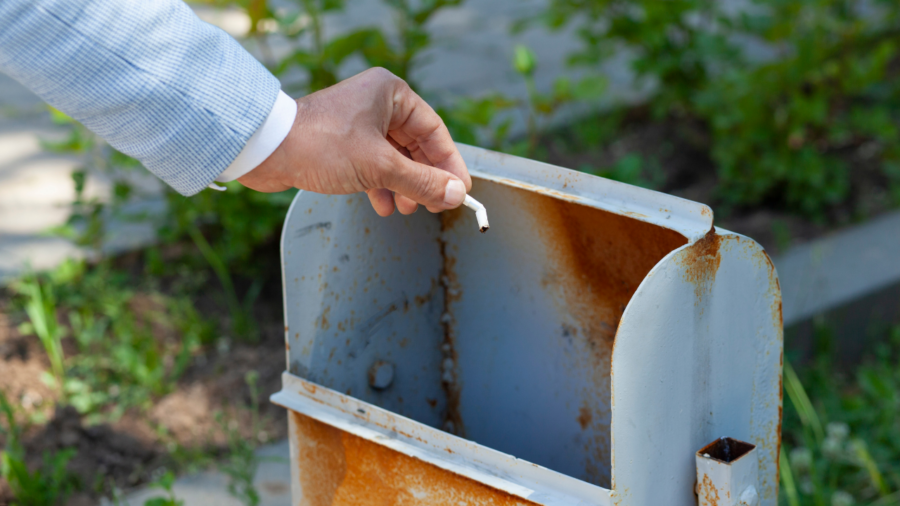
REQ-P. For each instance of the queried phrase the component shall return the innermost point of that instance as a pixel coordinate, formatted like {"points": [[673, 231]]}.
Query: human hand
{"points": [[368, 133]]}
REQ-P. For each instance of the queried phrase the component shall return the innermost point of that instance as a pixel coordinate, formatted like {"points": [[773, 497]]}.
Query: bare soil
{"points": [[131, 451]]}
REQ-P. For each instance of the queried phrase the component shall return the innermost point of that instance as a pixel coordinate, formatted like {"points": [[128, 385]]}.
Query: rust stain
{"points": [[287, 345], [453, 422], [701, 262], [340, 469], [599, 259], [584, 416], [774, 275], [709, 495], [322, 461], [323, 320], [450, 217]]}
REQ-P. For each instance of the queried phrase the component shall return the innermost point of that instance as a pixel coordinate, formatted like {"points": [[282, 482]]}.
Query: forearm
{"points": [[148, 76]]}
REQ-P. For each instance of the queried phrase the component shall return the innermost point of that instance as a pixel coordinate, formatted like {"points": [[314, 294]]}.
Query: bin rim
{"points": [[451, 453], [691, 219]]}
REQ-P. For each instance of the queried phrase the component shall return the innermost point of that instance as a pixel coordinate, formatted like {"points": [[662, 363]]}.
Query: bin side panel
{"points": [[335, 468], [533, 307], [360, 289], [697, 356]]}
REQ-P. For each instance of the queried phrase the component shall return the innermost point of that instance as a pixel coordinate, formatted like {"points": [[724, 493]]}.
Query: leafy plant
{"points": [[786, 128], [839, 434], [487, 120], [40, 306], [633, 169], [322, 57], [242, 462], [413, 37], [165, 483], [45, 486], [542, 106], [677, 45], [121, 360]]}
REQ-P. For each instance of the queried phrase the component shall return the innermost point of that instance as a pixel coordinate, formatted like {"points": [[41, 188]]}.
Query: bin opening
{"points": [[726, 449], [504, 339]]}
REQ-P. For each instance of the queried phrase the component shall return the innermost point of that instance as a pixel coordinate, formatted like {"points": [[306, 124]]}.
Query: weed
{"points": [[124, 357], [633, 169], [840, 434], [165, 483], [487, 120], [410, 16], [677, 45], [786, 128], [45, 486], [242, 461], [243, 324], [40, 306]]}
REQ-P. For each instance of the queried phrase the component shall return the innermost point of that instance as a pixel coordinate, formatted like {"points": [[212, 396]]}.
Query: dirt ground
{"points": [[130, 451]]}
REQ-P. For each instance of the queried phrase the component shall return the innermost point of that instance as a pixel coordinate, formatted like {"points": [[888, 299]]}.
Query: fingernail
{"points": [[455, 193]]}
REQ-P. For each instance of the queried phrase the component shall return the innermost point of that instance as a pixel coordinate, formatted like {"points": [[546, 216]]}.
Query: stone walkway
{"points": [[273, 483]]}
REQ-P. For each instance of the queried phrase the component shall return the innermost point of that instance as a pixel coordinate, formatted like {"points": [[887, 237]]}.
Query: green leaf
{"points": [[590, 87], [524, 60]]}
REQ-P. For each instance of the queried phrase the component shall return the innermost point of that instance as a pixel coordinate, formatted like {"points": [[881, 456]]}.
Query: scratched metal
{"points": [[360, 289], [599, 330], [698, 356]]}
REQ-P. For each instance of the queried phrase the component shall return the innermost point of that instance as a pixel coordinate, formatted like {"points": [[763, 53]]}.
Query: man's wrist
{"points": [[265, 140]]}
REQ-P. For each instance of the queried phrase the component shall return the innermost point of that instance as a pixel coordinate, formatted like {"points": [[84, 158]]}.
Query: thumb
{"points": [[432, 187]]}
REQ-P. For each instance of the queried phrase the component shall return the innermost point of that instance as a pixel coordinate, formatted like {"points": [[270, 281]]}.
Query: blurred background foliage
{"points": [[785, 123], [786, 97]]}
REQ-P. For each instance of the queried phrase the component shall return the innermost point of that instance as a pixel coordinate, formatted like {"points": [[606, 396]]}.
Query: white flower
{"points": [[841, 498], [801, 459], [838, 430], [832, 448], [806, 486]]}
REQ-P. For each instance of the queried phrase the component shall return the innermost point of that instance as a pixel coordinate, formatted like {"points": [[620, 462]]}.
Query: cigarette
{"points": [[480, 213]]}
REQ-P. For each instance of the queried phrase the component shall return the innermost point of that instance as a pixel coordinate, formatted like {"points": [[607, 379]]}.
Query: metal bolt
{"points": [[381, 375]]}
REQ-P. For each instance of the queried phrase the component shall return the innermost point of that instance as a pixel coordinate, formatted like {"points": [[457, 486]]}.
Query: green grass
{"points": [[841, 432], [132, 345]]}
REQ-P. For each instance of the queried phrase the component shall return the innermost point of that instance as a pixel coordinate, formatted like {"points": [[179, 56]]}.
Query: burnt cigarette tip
{"points": [[480, 212], [484, 229]]}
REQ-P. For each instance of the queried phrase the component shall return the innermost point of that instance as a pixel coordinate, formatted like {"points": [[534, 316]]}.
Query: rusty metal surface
{"points": [[585, 333], [698, 355], [727, 474], [319, 456], [535, 343], [337, 468], [361, 289]]}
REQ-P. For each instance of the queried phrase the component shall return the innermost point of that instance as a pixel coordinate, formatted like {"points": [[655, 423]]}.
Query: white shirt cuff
{"points": [[265, 140]]}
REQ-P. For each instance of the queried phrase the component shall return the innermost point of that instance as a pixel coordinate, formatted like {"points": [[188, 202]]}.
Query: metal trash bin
{"points": [[580, 352]]}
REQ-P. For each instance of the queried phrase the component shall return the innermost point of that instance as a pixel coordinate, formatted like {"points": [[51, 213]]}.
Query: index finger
{"points": [[415, 126]]}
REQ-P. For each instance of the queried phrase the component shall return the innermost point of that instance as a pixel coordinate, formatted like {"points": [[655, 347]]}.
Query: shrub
{"points": [[783, 129]]}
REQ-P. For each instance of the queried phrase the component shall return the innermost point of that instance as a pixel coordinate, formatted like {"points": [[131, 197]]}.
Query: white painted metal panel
{"points": [[598, 330]]}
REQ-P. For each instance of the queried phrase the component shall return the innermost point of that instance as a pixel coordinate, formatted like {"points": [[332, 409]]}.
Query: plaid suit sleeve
{"points": [[148, 76]]}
